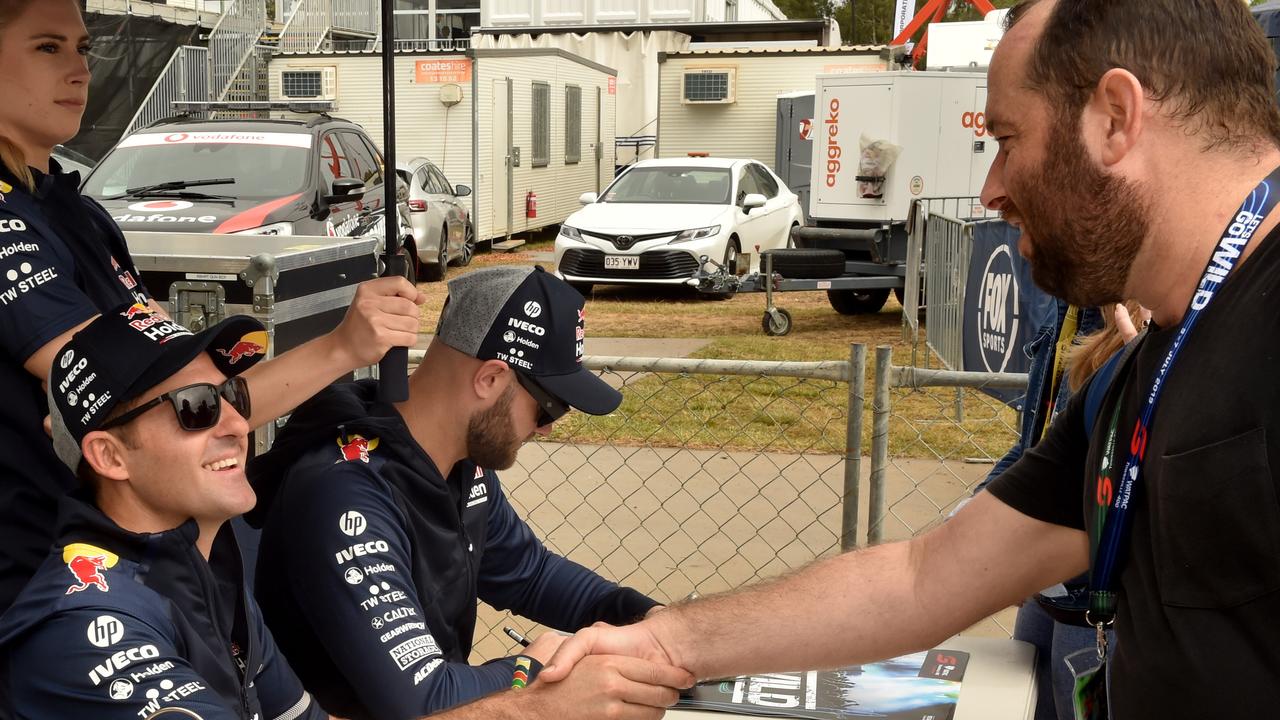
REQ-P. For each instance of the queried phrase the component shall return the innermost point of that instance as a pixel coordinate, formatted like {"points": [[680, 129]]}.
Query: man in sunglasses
{"points": [[383, 524], [141, 609]]}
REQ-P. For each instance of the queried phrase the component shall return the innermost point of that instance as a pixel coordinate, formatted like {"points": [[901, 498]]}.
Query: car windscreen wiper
{"points": [[151, 190]]}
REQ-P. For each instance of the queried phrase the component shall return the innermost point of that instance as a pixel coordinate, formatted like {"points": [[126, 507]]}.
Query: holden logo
{"points": [[509, 336], [155, 206], [624, 242], [121, 689], [532, 309], [354, 576]]}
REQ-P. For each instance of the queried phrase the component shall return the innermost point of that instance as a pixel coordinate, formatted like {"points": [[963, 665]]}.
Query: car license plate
{"points": [[622, 262]]}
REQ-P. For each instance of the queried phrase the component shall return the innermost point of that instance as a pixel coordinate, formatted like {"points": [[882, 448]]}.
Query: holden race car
{"points": [[317, 176]]}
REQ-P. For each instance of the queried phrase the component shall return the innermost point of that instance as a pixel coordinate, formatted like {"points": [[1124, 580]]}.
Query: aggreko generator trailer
{"points": [[879, 142]]}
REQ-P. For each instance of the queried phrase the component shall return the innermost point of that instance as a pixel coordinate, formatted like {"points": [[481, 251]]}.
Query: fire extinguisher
{"points": [[531, 204]]}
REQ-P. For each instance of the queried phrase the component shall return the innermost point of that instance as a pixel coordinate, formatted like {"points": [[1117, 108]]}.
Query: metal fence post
{"points": [[879, 445], [853, 446]]}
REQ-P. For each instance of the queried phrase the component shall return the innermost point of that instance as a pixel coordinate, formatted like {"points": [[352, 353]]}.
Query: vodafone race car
{"points": [[321, 176]]}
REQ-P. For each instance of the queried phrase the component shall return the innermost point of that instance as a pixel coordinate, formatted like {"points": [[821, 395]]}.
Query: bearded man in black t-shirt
{"points": [[1130, 132]]}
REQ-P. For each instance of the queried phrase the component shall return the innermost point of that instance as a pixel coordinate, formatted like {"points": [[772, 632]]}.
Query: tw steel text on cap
{"points": [[532, 321]]}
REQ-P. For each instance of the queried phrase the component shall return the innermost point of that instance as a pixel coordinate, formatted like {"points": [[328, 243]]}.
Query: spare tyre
{"points": [[808, 263]]}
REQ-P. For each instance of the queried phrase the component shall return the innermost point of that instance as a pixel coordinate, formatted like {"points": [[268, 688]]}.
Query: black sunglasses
{"points": [[198, 406], [550, 407]]}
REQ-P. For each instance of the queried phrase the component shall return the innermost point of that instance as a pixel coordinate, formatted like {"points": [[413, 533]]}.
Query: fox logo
{"points": [[356, 447]]}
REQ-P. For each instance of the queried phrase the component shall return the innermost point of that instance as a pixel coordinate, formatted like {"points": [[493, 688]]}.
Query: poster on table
{"points": [[922, 686]]}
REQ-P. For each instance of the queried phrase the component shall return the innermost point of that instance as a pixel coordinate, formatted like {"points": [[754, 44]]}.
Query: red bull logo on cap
{"points": [[88, 564], [356, 447], [135, 310], [249, 345]]}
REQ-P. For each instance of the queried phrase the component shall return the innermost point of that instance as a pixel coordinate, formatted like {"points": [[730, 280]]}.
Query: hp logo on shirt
{"points": [[351, 523], [105, 631]]}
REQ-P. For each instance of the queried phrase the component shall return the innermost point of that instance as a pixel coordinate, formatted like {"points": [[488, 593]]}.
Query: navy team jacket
{"points": [[120, 626], [372, 560]]}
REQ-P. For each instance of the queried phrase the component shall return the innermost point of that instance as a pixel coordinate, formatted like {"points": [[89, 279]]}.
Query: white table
{"points": [[999, 683]]}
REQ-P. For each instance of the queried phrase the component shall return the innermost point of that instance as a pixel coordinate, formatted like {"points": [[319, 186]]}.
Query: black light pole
{"points": [[393, 368]]}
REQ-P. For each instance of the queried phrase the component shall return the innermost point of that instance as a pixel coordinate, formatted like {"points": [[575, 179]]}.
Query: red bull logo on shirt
{"points": [[88, 564], [249, 345], [356, 447]]}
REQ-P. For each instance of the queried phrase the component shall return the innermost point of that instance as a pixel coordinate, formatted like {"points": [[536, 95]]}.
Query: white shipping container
{"points": [[936, 118], [743, 124], [539, 13], [476, 139]]}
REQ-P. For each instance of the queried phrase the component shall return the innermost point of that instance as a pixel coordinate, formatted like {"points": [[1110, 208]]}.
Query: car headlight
{"points": [[697, 234], [280, 228], [570, 233]]}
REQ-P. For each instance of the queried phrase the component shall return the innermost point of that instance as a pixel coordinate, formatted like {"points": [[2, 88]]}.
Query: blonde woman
{"points": [[63, 262]]}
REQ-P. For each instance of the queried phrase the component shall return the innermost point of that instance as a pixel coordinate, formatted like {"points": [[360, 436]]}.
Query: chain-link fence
{"points": [[711, 475], [715, 473], [935, 435]]}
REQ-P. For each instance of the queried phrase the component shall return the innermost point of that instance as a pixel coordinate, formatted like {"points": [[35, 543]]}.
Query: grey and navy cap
{"points": [[127, 351], [534, 322]]}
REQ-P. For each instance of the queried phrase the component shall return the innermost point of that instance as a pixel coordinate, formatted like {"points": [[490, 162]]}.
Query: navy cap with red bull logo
{"points": [[532, 321], [126, 351]]}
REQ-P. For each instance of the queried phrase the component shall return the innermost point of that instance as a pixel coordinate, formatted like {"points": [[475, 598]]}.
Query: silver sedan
{"points": [[442, 229]]}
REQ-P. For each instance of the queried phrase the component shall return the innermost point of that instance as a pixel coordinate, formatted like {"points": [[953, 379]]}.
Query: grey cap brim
{"points": [[583, 390]]}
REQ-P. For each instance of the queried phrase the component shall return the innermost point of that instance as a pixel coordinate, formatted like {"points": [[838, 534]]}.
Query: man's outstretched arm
{"points": [[860, 606]]}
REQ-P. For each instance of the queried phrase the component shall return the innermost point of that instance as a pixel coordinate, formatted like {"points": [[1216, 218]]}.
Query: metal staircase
{"points": [[232, 67]]}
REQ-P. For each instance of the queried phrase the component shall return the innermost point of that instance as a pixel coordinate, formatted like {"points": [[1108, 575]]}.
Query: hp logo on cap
{"points": [[532, 309]]}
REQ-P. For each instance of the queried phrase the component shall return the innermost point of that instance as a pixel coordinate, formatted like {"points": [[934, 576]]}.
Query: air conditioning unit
{"points": [[309, 83], [708, 85]]}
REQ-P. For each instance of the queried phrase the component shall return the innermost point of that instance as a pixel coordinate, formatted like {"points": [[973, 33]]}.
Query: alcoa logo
{"points": [[532, 309], [155, 206]]}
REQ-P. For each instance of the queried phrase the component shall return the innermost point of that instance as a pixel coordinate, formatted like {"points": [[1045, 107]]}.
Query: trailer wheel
{"points": [[807, 262], [776, 323], [858, 302]]}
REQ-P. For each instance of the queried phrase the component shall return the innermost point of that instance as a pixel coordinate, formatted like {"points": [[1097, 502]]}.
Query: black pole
{"points": [[393, 369]]}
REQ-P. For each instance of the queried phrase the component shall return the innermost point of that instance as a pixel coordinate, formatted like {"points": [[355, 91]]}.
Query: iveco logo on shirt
{"points": [[479, 494], [360, 550], [121, 660]]}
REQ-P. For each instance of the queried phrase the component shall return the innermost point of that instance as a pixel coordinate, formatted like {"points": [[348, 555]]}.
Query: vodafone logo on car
{"points": [[176, 137], [155, 206]]}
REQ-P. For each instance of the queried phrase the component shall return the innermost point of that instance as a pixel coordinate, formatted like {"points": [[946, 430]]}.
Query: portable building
{"points": [[529, 130], [508, 13], [725, 102]]}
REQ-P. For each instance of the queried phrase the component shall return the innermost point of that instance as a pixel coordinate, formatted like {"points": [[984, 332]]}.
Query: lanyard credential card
{"points": [[1114, 493]]}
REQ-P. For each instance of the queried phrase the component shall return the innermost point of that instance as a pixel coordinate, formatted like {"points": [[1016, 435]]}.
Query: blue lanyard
{"points": [[1114, 495]]}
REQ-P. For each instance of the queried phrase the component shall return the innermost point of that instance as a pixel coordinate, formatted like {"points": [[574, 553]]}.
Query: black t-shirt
{"points": [[1198, 627], [62, 261]]}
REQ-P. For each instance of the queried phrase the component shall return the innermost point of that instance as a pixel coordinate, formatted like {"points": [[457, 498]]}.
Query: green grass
{"points": [[761, 414]]}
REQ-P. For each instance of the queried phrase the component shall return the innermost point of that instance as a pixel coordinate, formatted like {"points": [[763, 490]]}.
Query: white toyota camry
{"points": [[656, 220]]}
